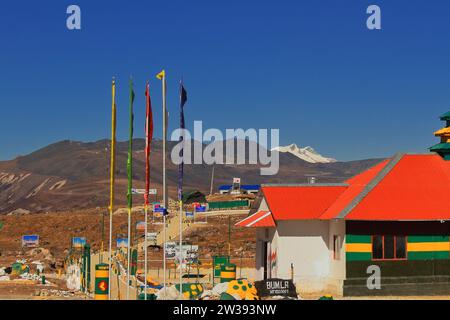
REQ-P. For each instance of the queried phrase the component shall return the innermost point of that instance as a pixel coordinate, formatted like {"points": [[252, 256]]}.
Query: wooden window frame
{"points": [[395, 248]]}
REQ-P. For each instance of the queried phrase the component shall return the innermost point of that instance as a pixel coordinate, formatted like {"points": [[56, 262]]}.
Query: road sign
{"points": [[160, 211], [142, 191], [152, 236], [78, 242], [140, 226], [200, 209], [189, 215], [30, 241], [122, 242], [276, 287]]}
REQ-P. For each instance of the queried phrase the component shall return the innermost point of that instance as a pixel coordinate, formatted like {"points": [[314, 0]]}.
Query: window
{"points": [[377, 247], [336, 247], [388, 247]]}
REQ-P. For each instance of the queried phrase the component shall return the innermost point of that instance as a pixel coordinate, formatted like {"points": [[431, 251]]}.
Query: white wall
{"points": [[337, 267], [305, 245], [308, 245]]}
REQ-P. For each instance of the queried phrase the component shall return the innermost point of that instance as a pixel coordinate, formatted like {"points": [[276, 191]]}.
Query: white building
{"points": [[299, 247], [395, 215]]}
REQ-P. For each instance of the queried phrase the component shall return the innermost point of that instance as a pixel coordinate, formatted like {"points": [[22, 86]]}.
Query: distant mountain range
{"points": [[72, 175], [307, 154]]}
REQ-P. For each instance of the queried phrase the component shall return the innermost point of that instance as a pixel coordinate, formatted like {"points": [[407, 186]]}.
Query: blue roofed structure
{"points": [[246, 188]]}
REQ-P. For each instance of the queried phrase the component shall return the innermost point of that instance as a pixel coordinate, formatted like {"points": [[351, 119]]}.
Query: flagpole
{"points": [[148, 140], [181, 253], [130, 182], [111, 192], [183, 98], [162, 76], [128, 254], [145, 252]]}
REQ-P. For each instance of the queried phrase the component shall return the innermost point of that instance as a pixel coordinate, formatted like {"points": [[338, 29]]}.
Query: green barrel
{"points": [[218, 261], [101, 281], [227, 272]]}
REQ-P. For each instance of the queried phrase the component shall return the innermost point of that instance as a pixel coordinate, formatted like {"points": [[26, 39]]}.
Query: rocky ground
{"points": [[57, 229]]}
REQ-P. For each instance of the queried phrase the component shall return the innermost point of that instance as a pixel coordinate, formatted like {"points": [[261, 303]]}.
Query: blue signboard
{"points": [[30, 240], [189, 214], [200, 209], [122, 242], [78, 242], [160, 210]]}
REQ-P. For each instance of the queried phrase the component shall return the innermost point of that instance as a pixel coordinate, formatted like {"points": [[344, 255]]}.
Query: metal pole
{"points": [[129, 254], [145, 253], [103, 237], [112, 168], [129, 191], [164, 174], [110, 250], [164, 255], [229, 236], [180, 251], [164, 140], [212, 181]]}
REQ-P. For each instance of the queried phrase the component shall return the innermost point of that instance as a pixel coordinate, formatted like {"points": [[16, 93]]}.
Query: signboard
{"points": [[152, 236], [140, 226], [189, 254], [236, 180], [200, 209], [159, 211], [170, 250], [30, 241], [122, 242], [142, 191], [78, 242], [189, 215], [276, 287]]}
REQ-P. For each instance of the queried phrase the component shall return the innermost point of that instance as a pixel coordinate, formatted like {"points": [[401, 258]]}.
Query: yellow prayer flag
{"points": [[161, 75]]}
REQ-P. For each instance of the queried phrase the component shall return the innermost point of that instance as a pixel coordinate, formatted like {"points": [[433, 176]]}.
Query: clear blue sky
{"points": [[310, 68]]}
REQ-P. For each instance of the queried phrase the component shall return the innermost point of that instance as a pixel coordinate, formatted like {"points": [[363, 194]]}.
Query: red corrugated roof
{"points": [[417, 188], [300, 202], [258, 219], [406, 187], [355, 185]]}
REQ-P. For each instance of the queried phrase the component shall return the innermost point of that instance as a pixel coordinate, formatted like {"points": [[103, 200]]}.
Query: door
{"points": [[265, 260]]}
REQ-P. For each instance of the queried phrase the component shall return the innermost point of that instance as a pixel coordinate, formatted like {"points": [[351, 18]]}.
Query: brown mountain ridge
{"points": [[73, 175]]}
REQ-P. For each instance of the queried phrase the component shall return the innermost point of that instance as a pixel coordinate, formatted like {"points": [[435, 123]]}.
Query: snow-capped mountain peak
{"points": [[306, 153]]}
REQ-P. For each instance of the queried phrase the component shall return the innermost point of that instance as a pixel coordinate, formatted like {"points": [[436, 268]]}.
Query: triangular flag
{"points": [[161, 75]]}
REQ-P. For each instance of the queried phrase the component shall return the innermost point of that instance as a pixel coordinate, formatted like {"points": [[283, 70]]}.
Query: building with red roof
{"points": [[393, 218]]}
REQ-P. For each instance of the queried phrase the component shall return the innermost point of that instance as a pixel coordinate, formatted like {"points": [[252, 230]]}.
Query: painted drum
{"points": [[101, 281], [227, 272]]}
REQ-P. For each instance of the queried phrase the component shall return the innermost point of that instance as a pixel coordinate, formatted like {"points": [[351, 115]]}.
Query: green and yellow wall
{"points": [[419, 247]]}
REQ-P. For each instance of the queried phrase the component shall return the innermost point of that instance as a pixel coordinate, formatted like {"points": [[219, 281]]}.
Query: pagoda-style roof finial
{"points": [[443, 148]]}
